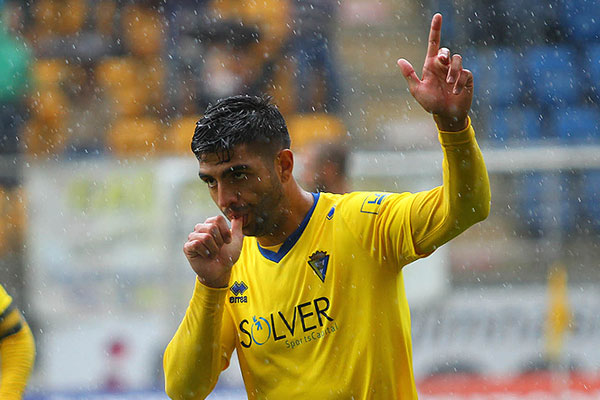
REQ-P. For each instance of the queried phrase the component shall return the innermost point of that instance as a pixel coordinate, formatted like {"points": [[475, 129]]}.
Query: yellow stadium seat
{"points": [[116, 72], [308, 128], [283, 87], [42, 139], [71, 17], [50, 106], [151, 76], [104, 13], [17, 215], [50, 72], [134, 136], [142, 31], [178, 137], [45, 18]]}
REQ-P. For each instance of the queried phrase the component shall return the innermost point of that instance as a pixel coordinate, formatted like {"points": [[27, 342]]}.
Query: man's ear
{"points": [[284, 165]]}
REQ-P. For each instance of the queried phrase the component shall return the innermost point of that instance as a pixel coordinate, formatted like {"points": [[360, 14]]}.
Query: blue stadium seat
{"points": [[590, 199], [577, 125], [552, 74], [497, 76], [530, 206], [581, 19], [592, 67], [514, 125], [504, 80], [538, 210]]}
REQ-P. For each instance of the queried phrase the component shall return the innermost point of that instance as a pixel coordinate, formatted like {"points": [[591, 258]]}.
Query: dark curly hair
{"points": [[237, 120]]}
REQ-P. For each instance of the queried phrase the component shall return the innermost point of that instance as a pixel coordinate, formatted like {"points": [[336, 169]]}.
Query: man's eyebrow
{"points": [[230, 170]]}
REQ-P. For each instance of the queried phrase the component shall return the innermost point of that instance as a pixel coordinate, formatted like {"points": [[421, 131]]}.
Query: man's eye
{"points": [[211, 183], [238, 176]]}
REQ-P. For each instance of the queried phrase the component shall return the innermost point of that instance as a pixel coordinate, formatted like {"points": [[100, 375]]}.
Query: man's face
{"points": [[246, 187]]}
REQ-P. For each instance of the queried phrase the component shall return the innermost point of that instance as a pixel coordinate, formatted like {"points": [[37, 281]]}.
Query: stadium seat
{"points": [[44, 131], [119, 76], [514, 125], [497, 76], [590, 199], [104, 15], [530, 210], [552, 75], [307, 128], [71, 22], [577, 125], [581, 19], [150, 81], [116, 72], [143, 30], [134, 136], [539, 209], [178, 137], [592, 67], [49, 72], [42, 139]]}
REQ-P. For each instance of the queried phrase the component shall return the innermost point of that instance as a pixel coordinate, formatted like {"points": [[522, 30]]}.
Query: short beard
{"points": [[269, 213]]}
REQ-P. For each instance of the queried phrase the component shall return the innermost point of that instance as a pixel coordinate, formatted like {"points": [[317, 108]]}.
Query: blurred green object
{"points": [[15, 59]]}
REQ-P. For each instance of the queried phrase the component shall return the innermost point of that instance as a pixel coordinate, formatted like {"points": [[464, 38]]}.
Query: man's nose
{"points": [[227, 195]]}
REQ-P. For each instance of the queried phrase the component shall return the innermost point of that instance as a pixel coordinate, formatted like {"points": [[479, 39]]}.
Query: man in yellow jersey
{"points": [[305, 285], [17, 350]]}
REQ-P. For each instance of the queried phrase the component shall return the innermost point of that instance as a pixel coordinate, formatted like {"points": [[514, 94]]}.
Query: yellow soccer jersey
{"points": [[331, 323], [326, 316], [17, 350]]}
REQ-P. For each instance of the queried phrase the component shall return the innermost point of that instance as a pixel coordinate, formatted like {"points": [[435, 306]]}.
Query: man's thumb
{"points": [[409, 74], [236, 228]]}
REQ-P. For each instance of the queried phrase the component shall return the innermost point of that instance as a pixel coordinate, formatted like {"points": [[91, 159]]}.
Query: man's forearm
{"points": [[464, 199], [466, 179], [192, 360]]}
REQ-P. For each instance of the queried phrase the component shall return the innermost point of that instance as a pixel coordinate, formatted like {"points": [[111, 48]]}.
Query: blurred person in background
{"points": [[17, 350], [325, 168], [304, 286]]}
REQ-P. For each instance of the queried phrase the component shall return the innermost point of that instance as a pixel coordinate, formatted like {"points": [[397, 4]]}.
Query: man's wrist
{"points": [[218, 283], [451, 124]]}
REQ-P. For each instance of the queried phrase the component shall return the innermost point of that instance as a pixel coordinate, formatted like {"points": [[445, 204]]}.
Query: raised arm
{"points": [[446, 91]]}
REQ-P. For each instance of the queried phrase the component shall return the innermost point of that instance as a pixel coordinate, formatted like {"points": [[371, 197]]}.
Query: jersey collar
{"points": [[292, 239]]}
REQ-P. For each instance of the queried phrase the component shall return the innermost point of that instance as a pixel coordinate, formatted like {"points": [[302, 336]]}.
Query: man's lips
{"points": [[236, 215]]}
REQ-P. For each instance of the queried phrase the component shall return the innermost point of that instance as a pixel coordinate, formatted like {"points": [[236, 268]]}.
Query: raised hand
{"points": [[213, 248], [446, 89]]}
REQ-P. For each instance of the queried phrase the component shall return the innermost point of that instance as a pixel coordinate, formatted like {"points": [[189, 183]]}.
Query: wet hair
{"points": [[239, 120]]}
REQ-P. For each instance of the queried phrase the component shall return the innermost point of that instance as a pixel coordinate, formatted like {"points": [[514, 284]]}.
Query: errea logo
{"points": [[238, 289]]}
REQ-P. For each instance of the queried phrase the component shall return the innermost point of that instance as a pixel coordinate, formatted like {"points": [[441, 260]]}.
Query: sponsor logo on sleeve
{"points": [[372, 203]]}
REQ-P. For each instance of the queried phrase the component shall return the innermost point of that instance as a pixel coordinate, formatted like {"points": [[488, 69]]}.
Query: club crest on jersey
{"points": [[318, 262], [238, 289]]}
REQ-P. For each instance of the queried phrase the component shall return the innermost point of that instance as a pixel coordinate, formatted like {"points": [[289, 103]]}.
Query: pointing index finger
{"points": [[435, 35]]}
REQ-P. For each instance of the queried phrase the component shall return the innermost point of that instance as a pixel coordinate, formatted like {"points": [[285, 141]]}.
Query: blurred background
{"points": [[98, 188]]}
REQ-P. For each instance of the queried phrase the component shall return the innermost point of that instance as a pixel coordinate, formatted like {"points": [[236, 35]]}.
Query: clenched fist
{"points": [[213, 248]]}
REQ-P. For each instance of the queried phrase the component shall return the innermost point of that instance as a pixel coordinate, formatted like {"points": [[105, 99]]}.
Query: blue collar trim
{"points": [[292, 239]]}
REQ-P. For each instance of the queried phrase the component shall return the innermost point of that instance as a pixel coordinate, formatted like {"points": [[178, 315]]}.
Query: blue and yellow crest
{"points": [[318, 262]]}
